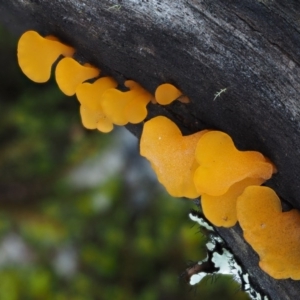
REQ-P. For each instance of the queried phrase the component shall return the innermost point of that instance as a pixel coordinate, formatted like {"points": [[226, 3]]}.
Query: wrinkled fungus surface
{"points": [[221, 165], [70, 74], [37, 54], [172, 156], [221, 210], [273, 234]]}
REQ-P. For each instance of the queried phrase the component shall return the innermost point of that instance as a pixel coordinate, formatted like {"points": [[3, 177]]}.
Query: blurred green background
{"points": [[81, 214]]}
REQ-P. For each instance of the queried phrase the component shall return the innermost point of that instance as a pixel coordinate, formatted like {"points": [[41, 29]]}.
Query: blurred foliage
{"points": [[88, 242]]}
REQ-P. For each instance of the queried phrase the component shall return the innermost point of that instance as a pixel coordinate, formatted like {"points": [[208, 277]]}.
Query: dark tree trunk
{"points": [[250, 47]]}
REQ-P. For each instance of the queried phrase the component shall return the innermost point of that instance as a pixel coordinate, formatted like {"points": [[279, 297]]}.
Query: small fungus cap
{"points": [[166, 93], [273, 234], [37, 54], [70, 74], [171, 155], [221, 164]]}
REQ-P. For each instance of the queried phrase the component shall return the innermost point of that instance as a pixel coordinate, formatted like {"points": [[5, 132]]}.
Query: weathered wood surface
{"points": [[250, 47]]}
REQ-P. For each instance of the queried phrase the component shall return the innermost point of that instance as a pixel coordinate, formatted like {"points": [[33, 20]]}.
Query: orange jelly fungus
{"points": [[95, 119], [221, 210], [221, 164], [70, 74], [37, 54], [166, 93], [129, 106], [273, 234], [172, 156], [136, 109], [91, 111]]}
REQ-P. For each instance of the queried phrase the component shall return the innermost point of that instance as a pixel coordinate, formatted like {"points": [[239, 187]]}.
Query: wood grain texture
{"points": [[250, 47]]}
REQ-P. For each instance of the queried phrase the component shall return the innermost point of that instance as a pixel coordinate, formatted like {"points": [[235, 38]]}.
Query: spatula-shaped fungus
{"points": [[37, 54], [166, 93], [221, 164], [69, 74], [221, 210], [172, 156], [273, 234]]}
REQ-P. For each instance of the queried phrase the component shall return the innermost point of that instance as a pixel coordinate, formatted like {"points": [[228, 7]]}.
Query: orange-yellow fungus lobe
{"points": [[90, 94], [221, 210], [221, 164], [95, 120], [172, 156], [166, 93], [273, 234], [136, 109], [37, 54], [129, 106], [114, 103], [70, 74]]}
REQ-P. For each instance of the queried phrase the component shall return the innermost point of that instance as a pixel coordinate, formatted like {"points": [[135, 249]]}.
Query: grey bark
{"points": [[250, 47]]}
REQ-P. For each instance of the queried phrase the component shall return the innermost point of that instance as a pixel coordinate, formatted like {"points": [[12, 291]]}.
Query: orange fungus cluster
{"points": [[205, 164], [102, 104]]}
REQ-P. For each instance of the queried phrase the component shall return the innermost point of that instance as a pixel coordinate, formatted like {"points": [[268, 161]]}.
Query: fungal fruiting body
{"points": [[219, 260], [136, 109], [114, 103], [95, 120], [172, 156], [221, 210], [70, 74], [166, 93], [91, 111], [126, 107], [221, 165], [37, 54], [223, 174], [273, 234]]}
